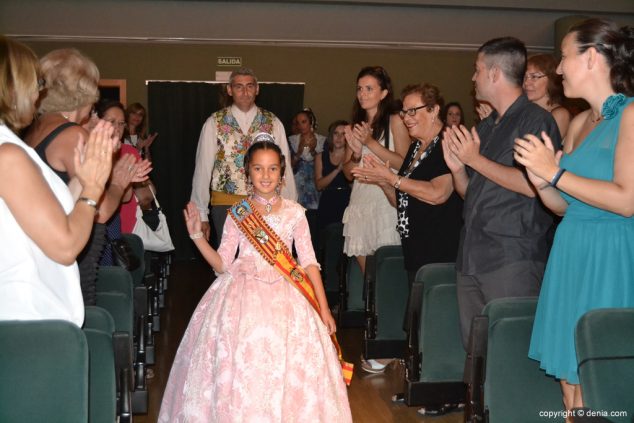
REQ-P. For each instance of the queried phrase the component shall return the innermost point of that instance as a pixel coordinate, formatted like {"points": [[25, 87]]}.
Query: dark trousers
{"points": [[520, 279]]}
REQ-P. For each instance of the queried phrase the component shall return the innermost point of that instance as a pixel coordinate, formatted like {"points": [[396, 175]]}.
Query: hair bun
{"points": [[624, 46]]}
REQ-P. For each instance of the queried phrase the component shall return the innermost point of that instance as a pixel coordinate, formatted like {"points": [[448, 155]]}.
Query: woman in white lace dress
{"points": [[370, 220]]}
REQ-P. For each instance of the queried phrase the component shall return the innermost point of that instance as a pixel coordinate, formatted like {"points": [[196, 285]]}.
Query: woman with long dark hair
{"points": [[378, 132]]}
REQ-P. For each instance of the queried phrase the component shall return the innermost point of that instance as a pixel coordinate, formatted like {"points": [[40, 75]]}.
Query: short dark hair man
{"points": [[503, 244]]}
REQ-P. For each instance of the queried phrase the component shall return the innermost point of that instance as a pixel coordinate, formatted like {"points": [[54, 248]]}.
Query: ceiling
{"points": [[409, 24]]}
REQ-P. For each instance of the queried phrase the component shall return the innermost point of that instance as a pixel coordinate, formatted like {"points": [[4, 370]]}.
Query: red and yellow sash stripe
{"points": [[277, 254]]}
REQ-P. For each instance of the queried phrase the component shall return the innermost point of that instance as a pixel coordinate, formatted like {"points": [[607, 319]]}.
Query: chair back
{"points": [[604, 341], [43, 372], [515, 388]]}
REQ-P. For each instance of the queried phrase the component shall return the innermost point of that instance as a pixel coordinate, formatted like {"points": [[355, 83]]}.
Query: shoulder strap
{"points": [[41, 147]]}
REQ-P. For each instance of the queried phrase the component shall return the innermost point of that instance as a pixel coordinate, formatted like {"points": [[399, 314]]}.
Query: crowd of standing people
{"points": [[409, 172]]}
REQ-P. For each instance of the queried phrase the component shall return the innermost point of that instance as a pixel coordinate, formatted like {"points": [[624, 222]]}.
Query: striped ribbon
{"points": [[277, 254]]}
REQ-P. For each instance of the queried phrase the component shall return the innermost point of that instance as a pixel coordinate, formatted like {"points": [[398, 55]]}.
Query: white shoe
{"points": [[373, 366]]}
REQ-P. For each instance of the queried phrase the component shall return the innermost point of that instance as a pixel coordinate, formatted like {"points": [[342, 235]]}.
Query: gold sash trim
{"points": [[277, 254]]}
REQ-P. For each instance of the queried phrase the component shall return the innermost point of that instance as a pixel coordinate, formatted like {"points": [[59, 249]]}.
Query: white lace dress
{"points": [[369, 221]]}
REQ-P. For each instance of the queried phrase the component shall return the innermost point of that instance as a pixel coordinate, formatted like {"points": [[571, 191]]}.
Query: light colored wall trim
{"points": [[412, 24]]}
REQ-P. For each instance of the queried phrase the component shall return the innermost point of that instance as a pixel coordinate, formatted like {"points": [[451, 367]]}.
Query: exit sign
{"points": [[229, 61]]}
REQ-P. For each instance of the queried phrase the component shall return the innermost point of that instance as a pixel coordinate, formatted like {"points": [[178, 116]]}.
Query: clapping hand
{"points": [[539, 158], [363, 132], [127, 170], [464, 144], [93, 159], [147, 142], [373, 172], [453, 163], [484, 110]]}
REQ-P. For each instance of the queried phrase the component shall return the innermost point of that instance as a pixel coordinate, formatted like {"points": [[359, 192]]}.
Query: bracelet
{"points": [[553, 182], [397, 184], [197, 235], [92, 203]]}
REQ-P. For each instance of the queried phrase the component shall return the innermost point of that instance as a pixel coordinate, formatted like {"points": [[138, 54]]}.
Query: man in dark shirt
{"points": [[503, 244]]}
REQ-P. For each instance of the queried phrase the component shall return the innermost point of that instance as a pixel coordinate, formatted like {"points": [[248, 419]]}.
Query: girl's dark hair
{"points": [[547, 64], [103, 106], [445, 110], [615, 44], [263, 145], [331, 132], [381, 123]]}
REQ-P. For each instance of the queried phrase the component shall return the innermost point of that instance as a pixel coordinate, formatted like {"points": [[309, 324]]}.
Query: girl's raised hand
{"points": [[192, 218]]}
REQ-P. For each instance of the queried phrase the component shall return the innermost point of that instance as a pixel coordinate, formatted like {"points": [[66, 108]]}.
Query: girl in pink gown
{"points": [[255, 350]]}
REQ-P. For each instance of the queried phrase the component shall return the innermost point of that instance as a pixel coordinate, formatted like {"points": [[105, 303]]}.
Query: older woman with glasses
{"points": [[543, 86], [428, 208]]}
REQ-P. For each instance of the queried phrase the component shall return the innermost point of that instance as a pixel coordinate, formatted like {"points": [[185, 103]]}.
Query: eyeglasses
{"points": [[120, 124], [410, 112], [533, 76]]}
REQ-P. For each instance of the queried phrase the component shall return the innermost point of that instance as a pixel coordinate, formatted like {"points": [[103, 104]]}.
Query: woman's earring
{"points": [[250, 189], [278, 188]]}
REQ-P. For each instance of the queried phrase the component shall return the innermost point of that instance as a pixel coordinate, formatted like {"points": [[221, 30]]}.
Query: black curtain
{"points": [[177, 111]]}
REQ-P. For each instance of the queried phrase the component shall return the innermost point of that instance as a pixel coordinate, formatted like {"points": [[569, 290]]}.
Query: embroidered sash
{"points": [[277, 254]]}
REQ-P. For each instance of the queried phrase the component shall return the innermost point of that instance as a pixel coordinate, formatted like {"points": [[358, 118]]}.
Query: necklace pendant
{"points": [[268, 207]]}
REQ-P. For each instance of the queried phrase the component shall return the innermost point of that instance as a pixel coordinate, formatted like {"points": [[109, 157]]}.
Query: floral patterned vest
{"points": [[228, 171]]}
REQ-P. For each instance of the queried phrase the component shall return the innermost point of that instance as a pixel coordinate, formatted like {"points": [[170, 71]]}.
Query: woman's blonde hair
{"points": [[72, 81], [18, 84]]}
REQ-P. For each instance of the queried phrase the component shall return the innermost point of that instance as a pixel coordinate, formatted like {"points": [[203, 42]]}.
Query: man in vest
{"points": [[223, 142]]}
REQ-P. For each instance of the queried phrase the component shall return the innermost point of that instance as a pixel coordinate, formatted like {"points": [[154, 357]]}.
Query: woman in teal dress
{"points": [[591, 264]]}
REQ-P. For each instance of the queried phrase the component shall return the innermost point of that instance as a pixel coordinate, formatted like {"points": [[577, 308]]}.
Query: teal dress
{"points": [[591, 264]]}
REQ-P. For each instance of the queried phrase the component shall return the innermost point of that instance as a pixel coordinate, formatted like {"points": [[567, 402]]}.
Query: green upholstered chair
{"points": [[98, 329], [98, 318], [505, 384], [352, 311], [515, 388], [436, 356], [115, 294], [386, 301], [475, 364], [605, 353], [43, 372]]}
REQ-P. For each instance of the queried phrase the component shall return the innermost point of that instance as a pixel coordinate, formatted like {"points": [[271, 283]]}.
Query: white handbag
{"points": [[158, 240]]}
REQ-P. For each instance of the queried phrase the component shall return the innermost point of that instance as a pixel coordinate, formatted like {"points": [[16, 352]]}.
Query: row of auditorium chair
{"points": [[494, 378], [52, 371]]}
